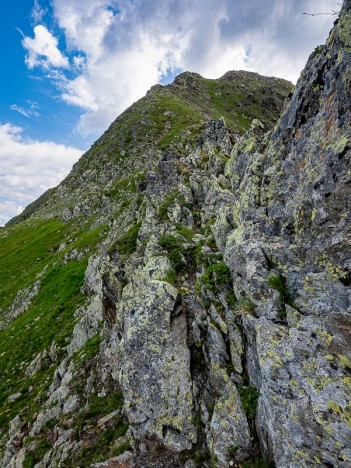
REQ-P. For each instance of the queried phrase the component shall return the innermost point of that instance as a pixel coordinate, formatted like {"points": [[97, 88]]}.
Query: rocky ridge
{"points": [[214, 322]]}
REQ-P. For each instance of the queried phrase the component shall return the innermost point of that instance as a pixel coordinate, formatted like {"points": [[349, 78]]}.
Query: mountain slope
{"points": [[165, 116], [213, 324], [44, 252]]}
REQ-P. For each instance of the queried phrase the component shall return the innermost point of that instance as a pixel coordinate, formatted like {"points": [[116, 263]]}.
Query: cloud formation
{"points": [[129, 46], [42, 50], [28, 168], [9, 209], [37, 12], [27, 112]]}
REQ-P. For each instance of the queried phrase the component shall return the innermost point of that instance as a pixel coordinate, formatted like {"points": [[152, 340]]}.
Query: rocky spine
{"points": [[212, 325]]}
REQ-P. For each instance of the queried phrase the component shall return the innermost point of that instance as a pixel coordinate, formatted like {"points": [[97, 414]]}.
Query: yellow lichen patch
{"points": [[346, 416], [347, 382], [274, 357], [332, 405], [344, 361], [340, 144], [327, 337], [301, 453]]}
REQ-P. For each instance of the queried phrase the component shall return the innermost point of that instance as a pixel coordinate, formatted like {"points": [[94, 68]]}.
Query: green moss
{"points": [[200, 258], [201, 456], [173, 246], [100, 406], [102, 447], [344, 28], [98, 443], [124, 189], [167, 202], [214, 461], [260, 462], [278, 283], [211, 243], [50, 424]]}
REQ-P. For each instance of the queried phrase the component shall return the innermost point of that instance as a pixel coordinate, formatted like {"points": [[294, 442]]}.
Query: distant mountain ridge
{"points": [[156, 121]]}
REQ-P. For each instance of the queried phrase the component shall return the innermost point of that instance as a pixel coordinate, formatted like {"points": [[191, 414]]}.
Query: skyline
{"points": [[71, 68]]}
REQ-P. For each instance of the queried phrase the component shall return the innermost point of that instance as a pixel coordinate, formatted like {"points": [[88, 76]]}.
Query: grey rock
{"points": [[15, 396]]}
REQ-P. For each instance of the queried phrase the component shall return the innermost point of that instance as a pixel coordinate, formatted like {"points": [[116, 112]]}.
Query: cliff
{"points": [[183, 297]]}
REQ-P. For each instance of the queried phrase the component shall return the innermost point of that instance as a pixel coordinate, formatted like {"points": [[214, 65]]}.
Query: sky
{"points": [[70, 67]]}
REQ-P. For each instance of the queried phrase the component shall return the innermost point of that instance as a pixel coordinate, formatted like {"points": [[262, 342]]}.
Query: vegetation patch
{"points": [[231, 299], [124, 187], [178, 254], [171, 277], [99, 445], [249, 396], [173, 246], [232, 449], [100, 406], [89, 350], [167, 202], [126, 244], [244, 306], [278, 283], [51, 318], [317, 51], [215, 275], [185, 232], [36, 454]]}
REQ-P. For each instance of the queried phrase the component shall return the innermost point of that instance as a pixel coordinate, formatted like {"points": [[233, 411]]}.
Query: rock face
{"points": [[292, 192], [208, 317]]}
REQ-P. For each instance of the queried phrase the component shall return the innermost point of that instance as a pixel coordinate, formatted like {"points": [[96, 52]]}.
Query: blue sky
{"points": [[69, 67], [27, 90]]}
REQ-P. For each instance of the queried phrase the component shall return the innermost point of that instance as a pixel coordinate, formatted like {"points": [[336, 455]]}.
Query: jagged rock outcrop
{"points": [[289, 255], [207, 322]]}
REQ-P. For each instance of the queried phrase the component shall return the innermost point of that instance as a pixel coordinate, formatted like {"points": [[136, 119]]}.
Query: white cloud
{"points": [[43, 50], [9, 209], [129, 46], [28, 168], [37, 12], [29, 113]]}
